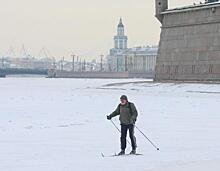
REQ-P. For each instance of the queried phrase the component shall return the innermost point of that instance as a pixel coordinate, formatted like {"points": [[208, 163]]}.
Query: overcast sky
{"points": [[83, 27]]}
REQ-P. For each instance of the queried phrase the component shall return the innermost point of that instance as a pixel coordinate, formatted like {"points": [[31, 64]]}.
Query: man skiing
{"points": [[127, 115]]}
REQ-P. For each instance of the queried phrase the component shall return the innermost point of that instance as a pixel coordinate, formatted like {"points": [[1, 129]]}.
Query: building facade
{"points": [[189, 48], [141, 59], [136, 60]]}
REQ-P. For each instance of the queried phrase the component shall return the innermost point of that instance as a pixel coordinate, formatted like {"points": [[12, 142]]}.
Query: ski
{"points": [[103, 155], [116, 155]]}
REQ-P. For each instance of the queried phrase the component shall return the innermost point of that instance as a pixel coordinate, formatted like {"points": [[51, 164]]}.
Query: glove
{"points": [[109, 117], [133, 121]]}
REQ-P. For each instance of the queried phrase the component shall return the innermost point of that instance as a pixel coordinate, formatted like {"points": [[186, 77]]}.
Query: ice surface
{"points": [[60, 124]]}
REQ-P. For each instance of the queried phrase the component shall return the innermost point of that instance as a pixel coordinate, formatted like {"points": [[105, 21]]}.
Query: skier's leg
{"points": [[132, 137], [123, 136]]}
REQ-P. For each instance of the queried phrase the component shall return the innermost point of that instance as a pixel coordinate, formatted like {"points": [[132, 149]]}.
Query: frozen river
{"points": [[60, 124]]}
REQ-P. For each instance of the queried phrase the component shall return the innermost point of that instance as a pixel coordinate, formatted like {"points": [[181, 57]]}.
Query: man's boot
{"points": [[133, 151], [121, 153]]}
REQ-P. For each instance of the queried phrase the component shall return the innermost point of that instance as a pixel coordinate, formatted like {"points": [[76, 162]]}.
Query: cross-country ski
{"points": [[124, 155]]}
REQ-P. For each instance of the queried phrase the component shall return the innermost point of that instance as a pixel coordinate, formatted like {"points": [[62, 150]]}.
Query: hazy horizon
{"points": [[82, 27]]}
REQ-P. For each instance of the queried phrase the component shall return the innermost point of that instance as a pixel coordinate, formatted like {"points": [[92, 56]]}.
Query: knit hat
{"points": [[124, 97]]}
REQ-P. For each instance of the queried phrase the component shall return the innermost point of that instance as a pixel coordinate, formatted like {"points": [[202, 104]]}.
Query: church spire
{"points": [[120, 29], [120, 23], [120, 38]]}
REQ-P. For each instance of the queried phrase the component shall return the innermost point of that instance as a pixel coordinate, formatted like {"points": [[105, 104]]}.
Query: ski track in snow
{"points": [[60, 124]]}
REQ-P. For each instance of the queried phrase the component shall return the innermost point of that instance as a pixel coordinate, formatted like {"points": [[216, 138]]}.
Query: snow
{"points": [[60, 124]]}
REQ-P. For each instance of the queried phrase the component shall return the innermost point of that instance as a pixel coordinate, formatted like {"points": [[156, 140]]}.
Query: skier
{"points": [[128, 116]]}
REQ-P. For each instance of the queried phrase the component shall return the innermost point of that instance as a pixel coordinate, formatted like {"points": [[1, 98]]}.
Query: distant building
{"points": [[141, 59], [4, 62], [121, 41], [137, 59], [31, 63]]}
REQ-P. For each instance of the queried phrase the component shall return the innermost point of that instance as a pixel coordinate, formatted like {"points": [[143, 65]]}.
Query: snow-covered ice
{"points": [[60, 125]]}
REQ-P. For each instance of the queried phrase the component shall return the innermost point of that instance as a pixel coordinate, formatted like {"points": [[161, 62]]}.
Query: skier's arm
{"points": [[116, 112], [134, 113]]}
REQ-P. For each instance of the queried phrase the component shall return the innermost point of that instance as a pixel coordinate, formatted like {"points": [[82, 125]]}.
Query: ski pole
{"points": [[147, 138], [118, 129]]}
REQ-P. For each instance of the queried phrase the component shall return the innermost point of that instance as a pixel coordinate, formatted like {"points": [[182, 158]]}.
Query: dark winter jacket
{"points": [[128, 113]]}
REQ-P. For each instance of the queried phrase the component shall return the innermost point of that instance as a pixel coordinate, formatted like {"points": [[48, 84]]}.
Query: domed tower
{"points": [[120, 39], [161, 6]]}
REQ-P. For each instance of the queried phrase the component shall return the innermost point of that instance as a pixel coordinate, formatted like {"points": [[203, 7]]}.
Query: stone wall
{"points": [[190, 45], [67, 74]]}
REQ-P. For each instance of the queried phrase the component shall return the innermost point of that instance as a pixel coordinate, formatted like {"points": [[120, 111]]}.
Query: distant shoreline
{"points": [[25, 76]]}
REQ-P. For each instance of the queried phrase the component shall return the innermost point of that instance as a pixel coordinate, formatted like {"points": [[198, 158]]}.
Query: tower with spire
{"points": [[137, 59], [120, 39], [116, 58]]}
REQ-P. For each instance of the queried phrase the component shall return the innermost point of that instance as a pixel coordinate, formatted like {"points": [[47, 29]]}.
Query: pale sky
{"points": [[83, 27]]}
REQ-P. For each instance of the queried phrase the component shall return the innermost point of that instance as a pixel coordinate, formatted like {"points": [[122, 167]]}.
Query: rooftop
{"points": [[192, 7]]}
